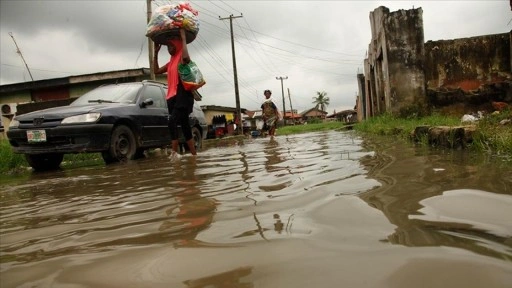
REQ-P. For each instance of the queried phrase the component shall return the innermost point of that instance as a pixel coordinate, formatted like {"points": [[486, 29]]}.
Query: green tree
{"points": [[321, 100]]}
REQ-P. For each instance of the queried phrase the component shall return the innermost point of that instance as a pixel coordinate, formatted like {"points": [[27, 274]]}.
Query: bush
{"points": [[10, 160]]}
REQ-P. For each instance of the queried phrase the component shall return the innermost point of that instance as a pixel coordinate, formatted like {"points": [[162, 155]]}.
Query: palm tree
{"points": [[321, 100]]}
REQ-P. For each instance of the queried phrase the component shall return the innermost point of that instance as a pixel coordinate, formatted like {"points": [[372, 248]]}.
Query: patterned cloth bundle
{"points": [[166, 21]]}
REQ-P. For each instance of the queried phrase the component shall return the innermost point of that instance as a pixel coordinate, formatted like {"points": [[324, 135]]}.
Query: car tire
{"points": [[122, 145], [198, 139], [44, 162]]}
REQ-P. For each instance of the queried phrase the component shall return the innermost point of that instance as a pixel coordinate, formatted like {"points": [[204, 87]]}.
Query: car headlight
{"points": [[14, 123], [83, 118]]}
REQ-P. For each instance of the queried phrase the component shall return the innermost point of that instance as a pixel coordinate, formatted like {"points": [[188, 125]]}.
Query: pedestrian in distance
{"points": [[180, 102], [270, 113]]}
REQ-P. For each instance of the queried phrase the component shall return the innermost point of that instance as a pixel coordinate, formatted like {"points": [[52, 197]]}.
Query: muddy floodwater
{"points": [[323, 209]]}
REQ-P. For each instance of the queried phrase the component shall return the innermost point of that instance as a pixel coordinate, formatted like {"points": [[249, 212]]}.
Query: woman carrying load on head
{"points": [[180, 102]]}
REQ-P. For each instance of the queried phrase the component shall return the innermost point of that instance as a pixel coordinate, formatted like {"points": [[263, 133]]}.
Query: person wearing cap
{"points": [[270, 113]]}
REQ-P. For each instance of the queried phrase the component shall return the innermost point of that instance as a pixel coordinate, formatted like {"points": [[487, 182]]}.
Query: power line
{"points": [[262, 61], [303, 56], [216, 58], [258, 50], [230, 7], [219, 6], [309, 47]]}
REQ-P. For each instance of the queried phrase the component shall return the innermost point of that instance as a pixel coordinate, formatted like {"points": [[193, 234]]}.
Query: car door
{"points": [[154, 117]]}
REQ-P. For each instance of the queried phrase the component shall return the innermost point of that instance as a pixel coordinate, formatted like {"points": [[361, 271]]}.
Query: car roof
{"points": [[154, 82], [143, 82]]}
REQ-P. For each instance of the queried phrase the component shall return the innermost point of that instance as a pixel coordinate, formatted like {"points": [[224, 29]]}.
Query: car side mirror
{"points": [[146, 103]]}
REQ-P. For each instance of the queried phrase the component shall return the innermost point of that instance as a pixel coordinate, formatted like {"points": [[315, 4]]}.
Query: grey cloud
{"points": [[320, 45]]}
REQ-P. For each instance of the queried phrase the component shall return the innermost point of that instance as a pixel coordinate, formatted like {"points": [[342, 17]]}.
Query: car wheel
{"points": [[44, 162], [198, 140], [122, 145]]}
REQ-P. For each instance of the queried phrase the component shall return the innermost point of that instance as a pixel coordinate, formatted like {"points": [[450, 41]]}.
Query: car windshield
{"points": [[120, 93]]}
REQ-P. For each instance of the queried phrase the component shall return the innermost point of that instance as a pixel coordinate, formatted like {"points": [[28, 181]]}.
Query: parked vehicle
{"points": [[119, 120]]}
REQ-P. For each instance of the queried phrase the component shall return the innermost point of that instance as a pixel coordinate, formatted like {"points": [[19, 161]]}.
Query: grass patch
{"points": [[10, 161], [387, 124], [310, 127], [81, 160], [13, 163], [494, 137], [491, 136]]}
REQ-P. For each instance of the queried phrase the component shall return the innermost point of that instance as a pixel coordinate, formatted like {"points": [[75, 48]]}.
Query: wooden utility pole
{"points": [[282, 93], [151, 47], [291, 107], [239, 127]]}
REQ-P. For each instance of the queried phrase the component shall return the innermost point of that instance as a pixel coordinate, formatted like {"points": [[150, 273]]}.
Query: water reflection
{"points": [[413, 176], [278, 225], [259, 230], [273, 156], [189, 212], [229, 279]]}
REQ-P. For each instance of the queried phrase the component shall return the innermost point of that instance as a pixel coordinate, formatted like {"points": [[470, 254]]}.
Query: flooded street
{"points": [[324, 209]]}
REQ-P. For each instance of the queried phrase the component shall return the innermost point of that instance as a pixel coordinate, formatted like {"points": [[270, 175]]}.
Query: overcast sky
{"points": [[319, 45]]}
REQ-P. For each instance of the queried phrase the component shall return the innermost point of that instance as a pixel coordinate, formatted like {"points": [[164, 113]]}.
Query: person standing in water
{"points": [[270, 113], [180, 102]]}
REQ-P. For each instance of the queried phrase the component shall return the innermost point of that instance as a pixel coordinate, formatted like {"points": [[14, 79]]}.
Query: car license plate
{"points": [[36, 136]]}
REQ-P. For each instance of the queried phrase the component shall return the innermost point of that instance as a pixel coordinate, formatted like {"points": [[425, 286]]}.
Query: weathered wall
{"points": [[405, 50], [405, 76], [469, 73], [17, 97], [376, 64], [79, 90], [467, 63], [394, 76], [361, 106]]}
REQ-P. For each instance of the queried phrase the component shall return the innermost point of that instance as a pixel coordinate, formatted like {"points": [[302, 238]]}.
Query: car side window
{"points": [[155, 93]]}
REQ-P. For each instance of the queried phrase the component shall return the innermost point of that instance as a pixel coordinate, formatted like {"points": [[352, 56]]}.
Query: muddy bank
{"points": [[454, 137]]}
